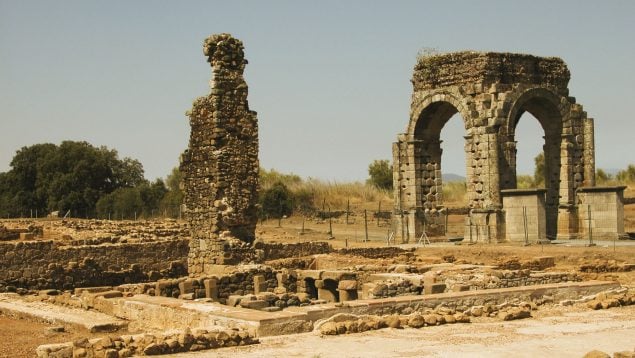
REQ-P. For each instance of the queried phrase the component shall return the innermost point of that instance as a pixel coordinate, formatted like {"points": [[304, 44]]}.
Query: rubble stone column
{"points": [[220, 166]]}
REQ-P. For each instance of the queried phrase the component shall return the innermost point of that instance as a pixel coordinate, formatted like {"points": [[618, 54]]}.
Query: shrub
{"points": [[380, 172], [276, 202]]}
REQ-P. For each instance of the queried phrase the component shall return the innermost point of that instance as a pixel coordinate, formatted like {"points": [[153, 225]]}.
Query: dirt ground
{"points": [[569, 255], [19, 337]]}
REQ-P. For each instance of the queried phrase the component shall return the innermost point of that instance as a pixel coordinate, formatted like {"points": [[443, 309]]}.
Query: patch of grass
{"points": [[454, 193], [314, 194]]}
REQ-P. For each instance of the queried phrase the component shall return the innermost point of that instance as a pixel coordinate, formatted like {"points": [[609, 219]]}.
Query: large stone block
{"points": [[327, 295], [260, 284], [211, 288]]}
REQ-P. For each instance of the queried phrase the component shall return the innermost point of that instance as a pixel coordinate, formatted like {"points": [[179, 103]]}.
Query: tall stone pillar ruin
{"points": [[220, 166]]}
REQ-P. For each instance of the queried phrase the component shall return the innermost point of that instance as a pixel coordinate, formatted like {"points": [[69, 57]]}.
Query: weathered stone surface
{"points": [[220, 166], [54, 264], [347, 285], [416, 321], [596, 354]]}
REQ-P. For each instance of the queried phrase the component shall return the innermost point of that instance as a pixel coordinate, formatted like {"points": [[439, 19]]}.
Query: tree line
{"points": [[81, 180], [93, 182], [78, 178]]}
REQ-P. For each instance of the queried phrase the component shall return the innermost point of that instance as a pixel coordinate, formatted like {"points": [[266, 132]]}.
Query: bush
{"points": [[602, 177], [276, 201], [123, 203], [627, 175], [303, 201], [380, 172]]}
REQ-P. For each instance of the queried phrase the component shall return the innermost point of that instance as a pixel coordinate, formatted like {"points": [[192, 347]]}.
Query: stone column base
{"points": [[567, 223], [485, 226]]}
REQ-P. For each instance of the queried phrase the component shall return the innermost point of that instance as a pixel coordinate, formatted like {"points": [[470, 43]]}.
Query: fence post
{"points": [[348, 209], [330, 223], [447, 214], [302, 231], [365, 226], [590, 228], [525, 225], [378, 213]]}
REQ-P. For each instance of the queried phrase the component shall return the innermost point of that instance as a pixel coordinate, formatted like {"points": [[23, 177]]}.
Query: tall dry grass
{"points": [[319, 194], [316, 194], [454, 194]]}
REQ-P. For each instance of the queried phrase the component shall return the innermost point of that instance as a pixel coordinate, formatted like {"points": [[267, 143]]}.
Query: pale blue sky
{"points": [[330, 80]]}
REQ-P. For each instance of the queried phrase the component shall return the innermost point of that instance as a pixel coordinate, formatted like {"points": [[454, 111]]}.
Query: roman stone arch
{"points": [[421, 104], [490, 91]]}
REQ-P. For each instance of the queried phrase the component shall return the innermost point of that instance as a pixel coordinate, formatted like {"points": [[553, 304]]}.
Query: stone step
{"points": [[14, 305]]}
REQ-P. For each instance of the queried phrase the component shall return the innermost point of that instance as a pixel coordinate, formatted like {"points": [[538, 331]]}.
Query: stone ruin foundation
{"points": [[491, 91], [220, 167]]}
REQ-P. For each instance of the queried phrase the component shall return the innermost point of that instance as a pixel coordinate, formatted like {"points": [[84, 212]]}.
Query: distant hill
{"points": [[449, 177]]}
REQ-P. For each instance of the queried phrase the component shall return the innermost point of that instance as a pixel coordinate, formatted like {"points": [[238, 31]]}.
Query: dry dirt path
{"points": [[570, 333]]}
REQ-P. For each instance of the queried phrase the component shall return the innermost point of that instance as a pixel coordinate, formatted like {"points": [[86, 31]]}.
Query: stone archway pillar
{"points": [[418, 188], [589, 152], [567, 211], [486, 221]]}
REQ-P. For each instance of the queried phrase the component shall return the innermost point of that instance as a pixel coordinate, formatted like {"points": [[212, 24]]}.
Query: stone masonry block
{"points": [[211, 288]]}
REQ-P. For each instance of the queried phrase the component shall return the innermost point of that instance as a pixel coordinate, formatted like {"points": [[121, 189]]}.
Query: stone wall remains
{"points": [[275, 251], [50, 264], [461, 282], [375, 252]]}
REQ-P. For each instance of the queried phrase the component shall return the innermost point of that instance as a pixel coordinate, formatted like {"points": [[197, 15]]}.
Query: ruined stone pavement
{"points": [[557, 332]]}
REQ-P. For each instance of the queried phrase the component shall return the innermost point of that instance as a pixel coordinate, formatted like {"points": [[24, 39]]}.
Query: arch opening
{"points": [[429, 162], [546, 113], [311, 290]]}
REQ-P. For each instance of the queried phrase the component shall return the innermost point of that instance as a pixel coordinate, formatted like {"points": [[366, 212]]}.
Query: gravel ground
{"points": [[554, 332]]}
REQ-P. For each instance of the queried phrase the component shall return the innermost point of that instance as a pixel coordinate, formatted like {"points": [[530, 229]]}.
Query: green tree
{"points": [[380, 174], [276, 201], [602, 177], [627, 175], [525, 182], [173, 198], [123, 203], [72, 176], [539, 170], [152, 194]]}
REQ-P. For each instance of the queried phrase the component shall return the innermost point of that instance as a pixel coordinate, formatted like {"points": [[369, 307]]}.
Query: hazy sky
{"points": [[330, 80]]}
